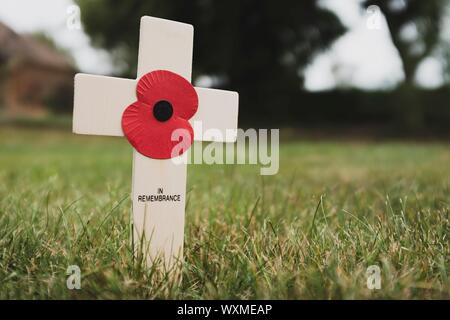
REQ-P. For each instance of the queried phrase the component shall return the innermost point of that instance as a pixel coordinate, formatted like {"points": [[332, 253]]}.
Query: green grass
{"points": [[309, 232]]}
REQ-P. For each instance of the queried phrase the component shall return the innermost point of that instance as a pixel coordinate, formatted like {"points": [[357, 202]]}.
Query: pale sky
{"points": [[363, 58]]}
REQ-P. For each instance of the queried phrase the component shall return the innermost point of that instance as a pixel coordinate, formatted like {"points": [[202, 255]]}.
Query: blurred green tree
{"points": [[258, 47], [416, 28]]}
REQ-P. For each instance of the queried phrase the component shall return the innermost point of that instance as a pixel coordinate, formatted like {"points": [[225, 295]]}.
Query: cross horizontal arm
{"points": [[218, 109], [99, 103]]}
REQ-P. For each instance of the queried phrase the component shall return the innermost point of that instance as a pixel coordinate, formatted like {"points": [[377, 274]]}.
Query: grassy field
{"points": [[311, 231]]}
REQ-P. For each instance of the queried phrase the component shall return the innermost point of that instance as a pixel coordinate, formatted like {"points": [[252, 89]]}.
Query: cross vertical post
{"points": [[169, 47]]}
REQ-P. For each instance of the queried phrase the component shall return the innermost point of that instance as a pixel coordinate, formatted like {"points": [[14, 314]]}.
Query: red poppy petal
{"points": [[152, 138], [165, 85]]}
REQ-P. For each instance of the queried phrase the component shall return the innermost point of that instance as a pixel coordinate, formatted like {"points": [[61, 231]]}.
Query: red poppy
{"points": [[166, 101]]}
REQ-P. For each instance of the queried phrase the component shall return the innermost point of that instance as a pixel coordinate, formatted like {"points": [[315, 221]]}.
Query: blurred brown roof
{"points": [[16, 47]]}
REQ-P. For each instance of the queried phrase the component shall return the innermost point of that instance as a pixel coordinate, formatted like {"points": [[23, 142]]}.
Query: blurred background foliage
{"points": [[260, 48], [423, 17], [252, 46]]}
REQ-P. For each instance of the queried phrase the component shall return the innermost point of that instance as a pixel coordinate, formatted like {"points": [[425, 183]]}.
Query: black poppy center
{"points": [[162, 110]]}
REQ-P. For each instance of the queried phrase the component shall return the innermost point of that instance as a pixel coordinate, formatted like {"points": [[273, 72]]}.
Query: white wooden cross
{"points": [[98, 106]]}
